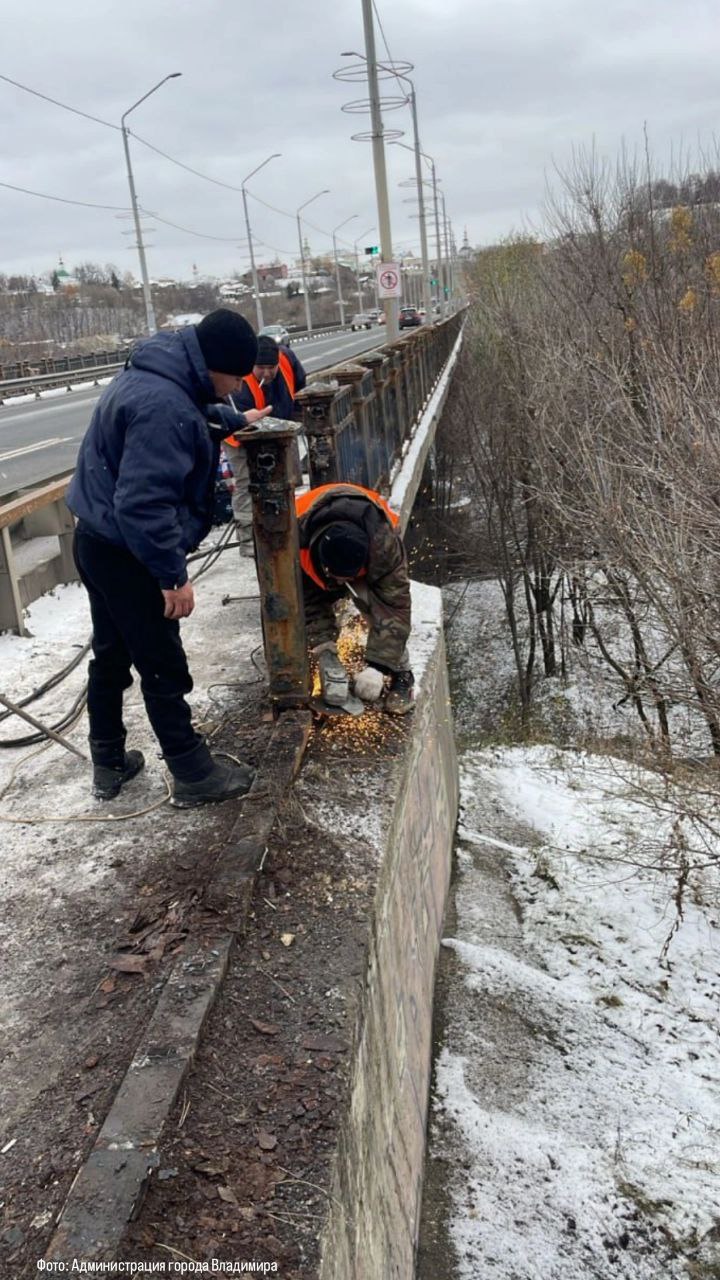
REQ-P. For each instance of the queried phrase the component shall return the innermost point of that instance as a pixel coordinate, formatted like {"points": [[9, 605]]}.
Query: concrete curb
{"points": [[109, 1188]]}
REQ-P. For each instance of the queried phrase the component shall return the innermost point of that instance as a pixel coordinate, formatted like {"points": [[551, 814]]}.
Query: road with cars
{"points": [[39, 439]]}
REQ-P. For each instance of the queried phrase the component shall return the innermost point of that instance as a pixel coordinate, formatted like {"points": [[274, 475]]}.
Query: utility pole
{"points": [[378, 146], [256, 286], [447, 291], [147, 295], [438, 241], [421, 202]]}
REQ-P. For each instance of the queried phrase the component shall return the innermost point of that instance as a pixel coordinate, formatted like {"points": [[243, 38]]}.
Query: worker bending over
{"points": [[350, 543]]}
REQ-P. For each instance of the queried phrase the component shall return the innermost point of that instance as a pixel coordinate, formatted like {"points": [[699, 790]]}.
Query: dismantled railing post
{"points": [[317, 405], [381, 426], [366, 470], [270, 464]]}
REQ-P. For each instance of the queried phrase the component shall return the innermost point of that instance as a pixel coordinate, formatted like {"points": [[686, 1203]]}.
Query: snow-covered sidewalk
{"points": [[81, 880]]}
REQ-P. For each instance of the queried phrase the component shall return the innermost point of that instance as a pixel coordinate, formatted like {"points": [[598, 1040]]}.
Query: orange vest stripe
{"points": [[288, 372], [256, 390], [305, 501]]}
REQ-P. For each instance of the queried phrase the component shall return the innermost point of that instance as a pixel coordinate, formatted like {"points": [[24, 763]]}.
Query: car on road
{"points": [[378, 317], [276, 331], [361, 320], [409, 317]]}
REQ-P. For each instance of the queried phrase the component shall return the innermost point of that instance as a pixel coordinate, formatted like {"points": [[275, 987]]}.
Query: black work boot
{"points": [[200, 778], [113, 766], [400, 699]]}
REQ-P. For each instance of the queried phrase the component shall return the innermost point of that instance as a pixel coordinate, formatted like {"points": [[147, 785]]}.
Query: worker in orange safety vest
{"points": [[276, 378], [350, 543]]}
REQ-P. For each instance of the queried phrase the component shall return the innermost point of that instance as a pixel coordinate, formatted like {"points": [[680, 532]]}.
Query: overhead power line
{"points": [[56, 103], [382, 33], [117, 208], [43, 195], [202, 234], [228, 186], [205, 177]]}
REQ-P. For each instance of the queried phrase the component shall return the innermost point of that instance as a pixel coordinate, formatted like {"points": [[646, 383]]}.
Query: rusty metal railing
{"points": [[358, 418]]}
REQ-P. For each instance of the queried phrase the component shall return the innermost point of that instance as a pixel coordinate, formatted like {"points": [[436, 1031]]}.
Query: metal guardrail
{"points": [[22, 370], [358, 418], [50, 381], [358, 423], [28, 377]]}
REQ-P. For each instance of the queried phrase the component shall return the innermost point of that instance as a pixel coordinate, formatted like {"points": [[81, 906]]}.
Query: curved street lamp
{"points": [[149, 312], [337, 268], [256, 287], [308, 317]]}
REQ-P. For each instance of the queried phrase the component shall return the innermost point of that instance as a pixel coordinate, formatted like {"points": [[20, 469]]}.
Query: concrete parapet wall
{"points": [[371, 1231]]}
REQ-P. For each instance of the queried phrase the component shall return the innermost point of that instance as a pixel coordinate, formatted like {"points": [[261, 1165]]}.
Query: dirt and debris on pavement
{"points": [[93, 915], [246, 1166]]}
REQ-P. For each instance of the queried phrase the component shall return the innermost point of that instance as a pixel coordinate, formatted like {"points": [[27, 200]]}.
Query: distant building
{"points": [[182, 321], [62, 281], [234, 289], [268, 273], [466, 250]]}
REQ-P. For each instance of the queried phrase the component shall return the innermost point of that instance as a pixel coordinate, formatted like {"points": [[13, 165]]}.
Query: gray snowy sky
{"points": [[505, 90]]}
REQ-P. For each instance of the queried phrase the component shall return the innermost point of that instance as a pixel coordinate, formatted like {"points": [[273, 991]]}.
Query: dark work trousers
{"points": [[129, 629]]}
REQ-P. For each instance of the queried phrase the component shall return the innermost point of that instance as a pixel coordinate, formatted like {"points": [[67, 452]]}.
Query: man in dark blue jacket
{"points": [[143, 494]]}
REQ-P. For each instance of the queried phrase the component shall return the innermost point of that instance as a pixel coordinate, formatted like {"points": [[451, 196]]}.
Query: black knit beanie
{"points": [[228, 342], [267, 350], [342, 549]]}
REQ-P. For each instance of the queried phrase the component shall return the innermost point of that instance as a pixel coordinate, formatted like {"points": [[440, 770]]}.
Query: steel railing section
{"points": [[358, 419]]}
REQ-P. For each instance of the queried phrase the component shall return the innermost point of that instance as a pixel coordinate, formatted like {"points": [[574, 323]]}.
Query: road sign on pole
{"points": [[388, 280]]}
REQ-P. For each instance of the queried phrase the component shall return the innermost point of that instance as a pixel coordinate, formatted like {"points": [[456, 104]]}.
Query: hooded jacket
{"points": [[146, 468]]}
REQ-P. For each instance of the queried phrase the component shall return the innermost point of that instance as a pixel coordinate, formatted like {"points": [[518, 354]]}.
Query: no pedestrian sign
{"points": [[388, 280]]}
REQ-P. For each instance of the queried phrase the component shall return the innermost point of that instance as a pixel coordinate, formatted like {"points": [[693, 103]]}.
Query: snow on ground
{"points": [[64, 853], [576, 1113]]}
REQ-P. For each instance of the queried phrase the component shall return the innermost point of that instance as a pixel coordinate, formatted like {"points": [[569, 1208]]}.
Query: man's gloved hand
{"points": [[369, 684], [334, 683]]}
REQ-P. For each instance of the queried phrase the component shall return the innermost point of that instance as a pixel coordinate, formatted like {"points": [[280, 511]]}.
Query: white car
{"points": [[276, 331], [362, 320]]}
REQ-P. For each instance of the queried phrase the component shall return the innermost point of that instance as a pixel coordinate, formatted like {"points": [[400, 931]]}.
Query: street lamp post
{"points": [[308, 317], [438, 241], [337, 268], [378, 147], [256, 287], [411, 98], [357, 264], [149, 312], [447, 291]]}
